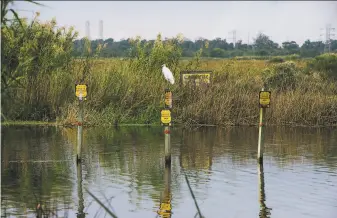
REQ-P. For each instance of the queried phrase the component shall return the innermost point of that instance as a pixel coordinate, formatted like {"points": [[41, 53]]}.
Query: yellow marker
{"points": [[168, 99], [165, 116], [165, 209], [264, 98], [81, 90]]}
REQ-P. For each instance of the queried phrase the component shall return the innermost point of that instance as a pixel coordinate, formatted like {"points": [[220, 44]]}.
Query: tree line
{"points": [[216, 48]]}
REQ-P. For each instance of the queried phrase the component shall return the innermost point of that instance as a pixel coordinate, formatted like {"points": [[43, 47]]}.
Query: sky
{"points": [[280, 20]]}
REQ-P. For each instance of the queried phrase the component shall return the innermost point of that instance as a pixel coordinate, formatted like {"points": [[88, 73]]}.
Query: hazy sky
{"points": [[281, 20]]}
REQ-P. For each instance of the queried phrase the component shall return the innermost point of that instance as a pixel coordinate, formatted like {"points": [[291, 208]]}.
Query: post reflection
{"points": [[80, 213], [264, 210], [165, 201]]}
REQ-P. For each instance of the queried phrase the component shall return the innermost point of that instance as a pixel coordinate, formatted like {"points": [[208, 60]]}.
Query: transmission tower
{"points": [[233, 37], [328, 35], [101, 29], [87, 29]]}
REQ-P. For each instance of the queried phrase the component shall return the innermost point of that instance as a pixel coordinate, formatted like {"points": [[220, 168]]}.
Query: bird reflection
{"points": [[165, 204], [264, 210]]}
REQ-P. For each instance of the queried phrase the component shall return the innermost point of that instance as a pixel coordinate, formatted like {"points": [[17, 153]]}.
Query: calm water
{"points": [[124, 168]]}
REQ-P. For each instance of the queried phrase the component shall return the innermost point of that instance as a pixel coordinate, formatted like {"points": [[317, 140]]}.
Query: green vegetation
{"points": [[39, 73]]}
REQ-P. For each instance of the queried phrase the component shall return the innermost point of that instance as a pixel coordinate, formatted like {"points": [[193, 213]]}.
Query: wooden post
{"points": [[166, 121], [261, 134], [167, 144], [80, 131]]}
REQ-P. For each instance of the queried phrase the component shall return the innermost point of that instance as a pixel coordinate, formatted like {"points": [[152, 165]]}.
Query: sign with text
{"points": [[196, 78], [81, 90], [166, 117], [168, 98], [264, 97]]}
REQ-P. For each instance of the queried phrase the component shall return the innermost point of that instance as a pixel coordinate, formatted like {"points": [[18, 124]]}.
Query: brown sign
{"points": [[196, 78]]}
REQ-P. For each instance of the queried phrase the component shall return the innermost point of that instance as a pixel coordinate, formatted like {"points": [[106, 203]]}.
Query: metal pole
{"points": [[261, 134], [80, 131]]}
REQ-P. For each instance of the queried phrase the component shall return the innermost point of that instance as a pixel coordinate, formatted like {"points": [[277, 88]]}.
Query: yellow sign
{"points": [[166, 116], [165, 209], [196, 77], [264, 98], [81, 90], [168, 99]]}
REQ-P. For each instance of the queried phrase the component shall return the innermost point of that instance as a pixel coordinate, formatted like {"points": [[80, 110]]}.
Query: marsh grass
{"points": [[131, 90], [120, 94]]}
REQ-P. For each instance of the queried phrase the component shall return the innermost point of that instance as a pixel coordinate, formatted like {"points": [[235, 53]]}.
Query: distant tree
{"points": [[291, 47], [217, 53], [262, 46], [311, 49], [262, 42]]}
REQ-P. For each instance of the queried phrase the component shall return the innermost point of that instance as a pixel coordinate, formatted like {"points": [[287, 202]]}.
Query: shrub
{"points": [[35, 59], [276, 60], [280, 76], [292, 57], [326, 63]]}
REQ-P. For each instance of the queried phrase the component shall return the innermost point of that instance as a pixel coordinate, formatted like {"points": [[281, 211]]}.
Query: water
{"points": [[125, 166]]}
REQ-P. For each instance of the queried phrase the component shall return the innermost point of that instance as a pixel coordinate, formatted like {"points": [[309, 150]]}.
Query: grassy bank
{"points": [[119, 94], [27, 123], [131, 91]]}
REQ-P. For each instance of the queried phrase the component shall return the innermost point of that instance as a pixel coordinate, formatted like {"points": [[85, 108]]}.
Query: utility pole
{"points": [[328, 35], [233, 37]]}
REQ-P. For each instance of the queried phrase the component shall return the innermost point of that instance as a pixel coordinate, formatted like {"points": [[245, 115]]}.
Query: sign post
{"points": [[81, 93], [264, 102], [166, 122], [196, 78]]}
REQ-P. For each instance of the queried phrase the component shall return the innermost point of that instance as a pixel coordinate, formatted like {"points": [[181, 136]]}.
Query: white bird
{"points": [[167, 74]]}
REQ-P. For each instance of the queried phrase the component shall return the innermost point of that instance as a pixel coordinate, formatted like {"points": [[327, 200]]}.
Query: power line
{"points": [[328, 38], [234, 37]]}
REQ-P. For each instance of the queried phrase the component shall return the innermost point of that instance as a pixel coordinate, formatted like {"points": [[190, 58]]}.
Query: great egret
{"points": [[167, 74]]}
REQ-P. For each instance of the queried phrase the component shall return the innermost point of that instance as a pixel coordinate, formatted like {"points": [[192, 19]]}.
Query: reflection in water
{"points": [[35, 174], [80, 213], [165, 201], [196, 150], [126, 164], [264, 210]]}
